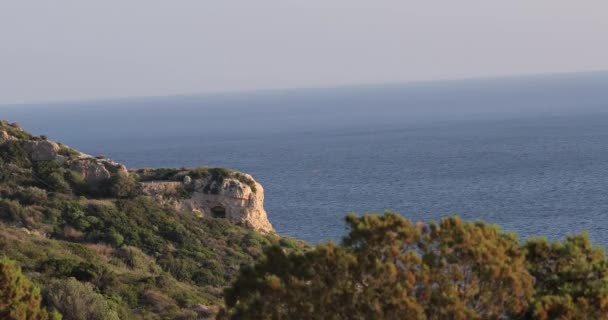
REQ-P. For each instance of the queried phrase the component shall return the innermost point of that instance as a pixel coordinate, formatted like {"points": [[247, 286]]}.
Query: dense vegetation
{"points": [[389, 268], [105, 251]]}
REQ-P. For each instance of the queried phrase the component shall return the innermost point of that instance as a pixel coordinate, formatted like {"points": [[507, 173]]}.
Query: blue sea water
{"points": [[529, 153]]}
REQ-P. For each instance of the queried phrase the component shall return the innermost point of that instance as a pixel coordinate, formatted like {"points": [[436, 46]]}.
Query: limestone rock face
{"points": [[229, 198], [90, 170], [96, 170], [43, 150], [4, 137]]}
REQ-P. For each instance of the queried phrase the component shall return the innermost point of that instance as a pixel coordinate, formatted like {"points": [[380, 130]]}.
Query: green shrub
{"points": [[50, 175], [290, 243], [33, 196], [134, 258], [159, 174], [80, 186], [5, 172], [122, 185], [58, 267], [14, 152], [76, 300], [199, 173], [72, 211], [67, 152], [115, 238], [255, 239], [220, 173], [11, 210]]}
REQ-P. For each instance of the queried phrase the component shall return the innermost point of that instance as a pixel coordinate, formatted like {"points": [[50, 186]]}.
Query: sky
{"points": [[73, 50]]}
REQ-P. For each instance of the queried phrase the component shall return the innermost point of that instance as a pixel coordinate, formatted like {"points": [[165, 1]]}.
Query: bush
{"points": [[50, 175], [289, 243], [13, 152], [11, 210], [72, 212], [159, 174], [199, 173], [79, 184], [123, 186], [58, 267], [67, 151], [115, 238], [159, 301], [78, 301], [254, 239], [33, 196], [136, 259]]}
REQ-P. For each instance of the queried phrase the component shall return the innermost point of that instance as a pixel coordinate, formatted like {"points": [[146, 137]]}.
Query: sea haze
{"points": [[528, 153]]}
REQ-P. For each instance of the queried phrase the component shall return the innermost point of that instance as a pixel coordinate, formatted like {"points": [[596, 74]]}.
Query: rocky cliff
{"points": [[206, 192], [212, 192]]}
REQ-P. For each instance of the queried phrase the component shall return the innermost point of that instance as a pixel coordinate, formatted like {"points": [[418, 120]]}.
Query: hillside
{"points": [[139, 252]]}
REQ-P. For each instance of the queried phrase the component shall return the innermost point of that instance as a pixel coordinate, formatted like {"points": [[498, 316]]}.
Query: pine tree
{"points": [[19, 298], [571, 278], [389, 268]]}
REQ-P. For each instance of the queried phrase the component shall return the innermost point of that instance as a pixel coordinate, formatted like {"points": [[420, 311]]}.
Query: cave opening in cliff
{"points": [[218, 212]]}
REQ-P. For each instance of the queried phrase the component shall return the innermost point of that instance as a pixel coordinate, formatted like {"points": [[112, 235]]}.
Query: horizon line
{"points": [[278, 90]]}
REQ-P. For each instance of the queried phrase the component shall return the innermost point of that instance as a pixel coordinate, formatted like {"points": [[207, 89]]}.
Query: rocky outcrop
{"points": [[4, 137], [238, 198], [90, 170], [44, 150], [96, 170]]}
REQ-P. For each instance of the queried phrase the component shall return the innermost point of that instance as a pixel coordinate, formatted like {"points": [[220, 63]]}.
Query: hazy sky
{"points": [[67, 50]]}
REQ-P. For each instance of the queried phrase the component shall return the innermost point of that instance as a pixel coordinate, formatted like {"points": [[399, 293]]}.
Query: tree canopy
{"points": [[389, 268], [19, 298]]}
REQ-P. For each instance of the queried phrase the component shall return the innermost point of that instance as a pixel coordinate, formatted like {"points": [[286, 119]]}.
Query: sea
{"points": [[527, 153]]}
